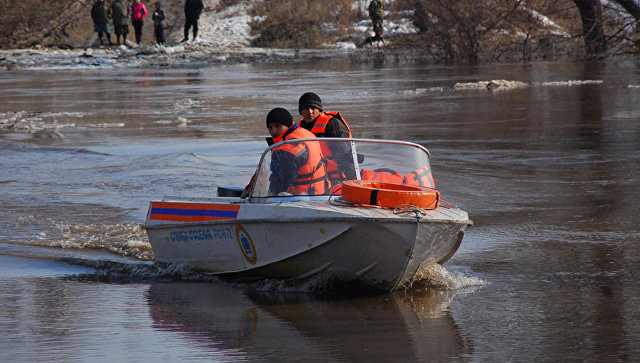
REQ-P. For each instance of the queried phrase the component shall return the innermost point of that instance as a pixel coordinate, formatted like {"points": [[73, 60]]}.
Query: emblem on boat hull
{"points": [[246, 244]]}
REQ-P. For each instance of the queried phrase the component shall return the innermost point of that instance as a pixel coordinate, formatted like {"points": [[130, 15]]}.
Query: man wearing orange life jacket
{"points": [[328, 124], [295, 168]]}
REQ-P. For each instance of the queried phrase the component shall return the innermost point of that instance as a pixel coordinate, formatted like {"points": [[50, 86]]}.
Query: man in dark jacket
{"points": [[328, 124], [100, 21], [120, 20], [192, 11]]}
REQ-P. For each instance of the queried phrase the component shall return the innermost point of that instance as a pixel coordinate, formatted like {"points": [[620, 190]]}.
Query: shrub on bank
{"points": [[301, 23], [450, 30]]}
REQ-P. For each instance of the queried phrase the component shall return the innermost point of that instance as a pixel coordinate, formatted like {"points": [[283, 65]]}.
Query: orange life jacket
{"points": [[312, 177], [320, 125], [382, 175], [318, 129], [421, 177]]}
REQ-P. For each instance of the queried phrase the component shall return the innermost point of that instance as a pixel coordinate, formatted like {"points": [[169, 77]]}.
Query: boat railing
{"points": [[337, 139], [351, 159]]}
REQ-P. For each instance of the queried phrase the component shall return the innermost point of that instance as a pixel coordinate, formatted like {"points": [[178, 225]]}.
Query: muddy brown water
{"points": [[548, 173]]}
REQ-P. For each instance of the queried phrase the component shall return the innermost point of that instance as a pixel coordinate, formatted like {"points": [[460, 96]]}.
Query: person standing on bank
{"points": [[328, 124], [376, 13], [138, 12], [100, 21], [158, 23], [192, 11], [295, 168], [120, 21]]}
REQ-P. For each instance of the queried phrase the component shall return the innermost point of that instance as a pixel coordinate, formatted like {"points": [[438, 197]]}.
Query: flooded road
{"points": [[547, 171]]}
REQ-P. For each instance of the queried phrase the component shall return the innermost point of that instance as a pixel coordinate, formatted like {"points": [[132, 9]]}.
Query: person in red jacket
{"points": [[138, 12], [295, 168]]}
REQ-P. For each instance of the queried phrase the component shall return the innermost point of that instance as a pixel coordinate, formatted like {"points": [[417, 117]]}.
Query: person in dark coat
{"points": [[192, 11], [158, 23], [376, 12], [120, 20], [100, 21]]}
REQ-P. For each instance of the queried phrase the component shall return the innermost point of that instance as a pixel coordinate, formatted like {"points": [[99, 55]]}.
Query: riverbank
{"points": [[56, 34], [224, 36], [190, 54]]}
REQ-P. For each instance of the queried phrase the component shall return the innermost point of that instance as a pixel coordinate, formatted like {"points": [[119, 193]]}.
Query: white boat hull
{"points": [[309, 237]]}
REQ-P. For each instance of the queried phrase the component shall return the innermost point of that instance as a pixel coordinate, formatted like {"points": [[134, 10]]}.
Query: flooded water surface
{"points": [[547, 169]]}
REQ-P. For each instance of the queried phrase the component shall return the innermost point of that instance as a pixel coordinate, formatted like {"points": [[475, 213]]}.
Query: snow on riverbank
{"points": [[226, 29]]}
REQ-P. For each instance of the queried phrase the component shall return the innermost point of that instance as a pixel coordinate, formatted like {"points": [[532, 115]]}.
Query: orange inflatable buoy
{"points": [[389, 195]]}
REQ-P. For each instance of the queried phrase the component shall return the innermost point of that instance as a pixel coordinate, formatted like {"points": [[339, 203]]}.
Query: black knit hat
{"points": [[279, 116], [309, 99]]}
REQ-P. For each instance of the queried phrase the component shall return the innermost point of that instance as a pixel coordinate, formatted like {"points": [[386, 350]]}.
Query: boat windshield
{"points": [[319, 166]]}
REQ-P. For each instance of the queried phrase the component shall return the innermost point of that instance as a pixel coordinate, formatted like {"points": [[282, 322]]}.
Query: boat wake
{"points": [[437, 276], [126, 240], [114, 271], [110, 268], [433, 276], [121, 253]]}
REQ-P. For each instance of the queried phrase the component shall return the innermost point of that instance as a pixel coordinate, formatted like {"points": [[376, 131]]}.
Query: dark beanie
{"points": [[279, 116], [309, 99]]}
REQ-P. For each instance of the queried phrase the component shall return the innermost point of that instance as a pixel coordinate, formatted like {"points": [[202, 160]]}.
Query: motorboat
{"points": [[381, 227]]}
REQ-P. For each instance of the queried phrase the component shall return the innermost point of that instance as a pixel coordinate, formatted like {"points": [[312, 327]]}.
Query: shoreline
{"points": [[190, 54]]}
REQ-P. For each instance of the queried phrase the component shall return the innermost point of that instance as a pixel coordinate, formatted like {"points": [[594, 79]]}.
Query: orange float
{"points": [[389, 195]]}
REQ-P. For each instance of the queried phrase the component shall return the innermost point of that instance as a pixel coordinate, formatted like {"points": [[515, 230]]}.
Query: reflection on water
{"points": [[268, 326], [49, 314]]}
